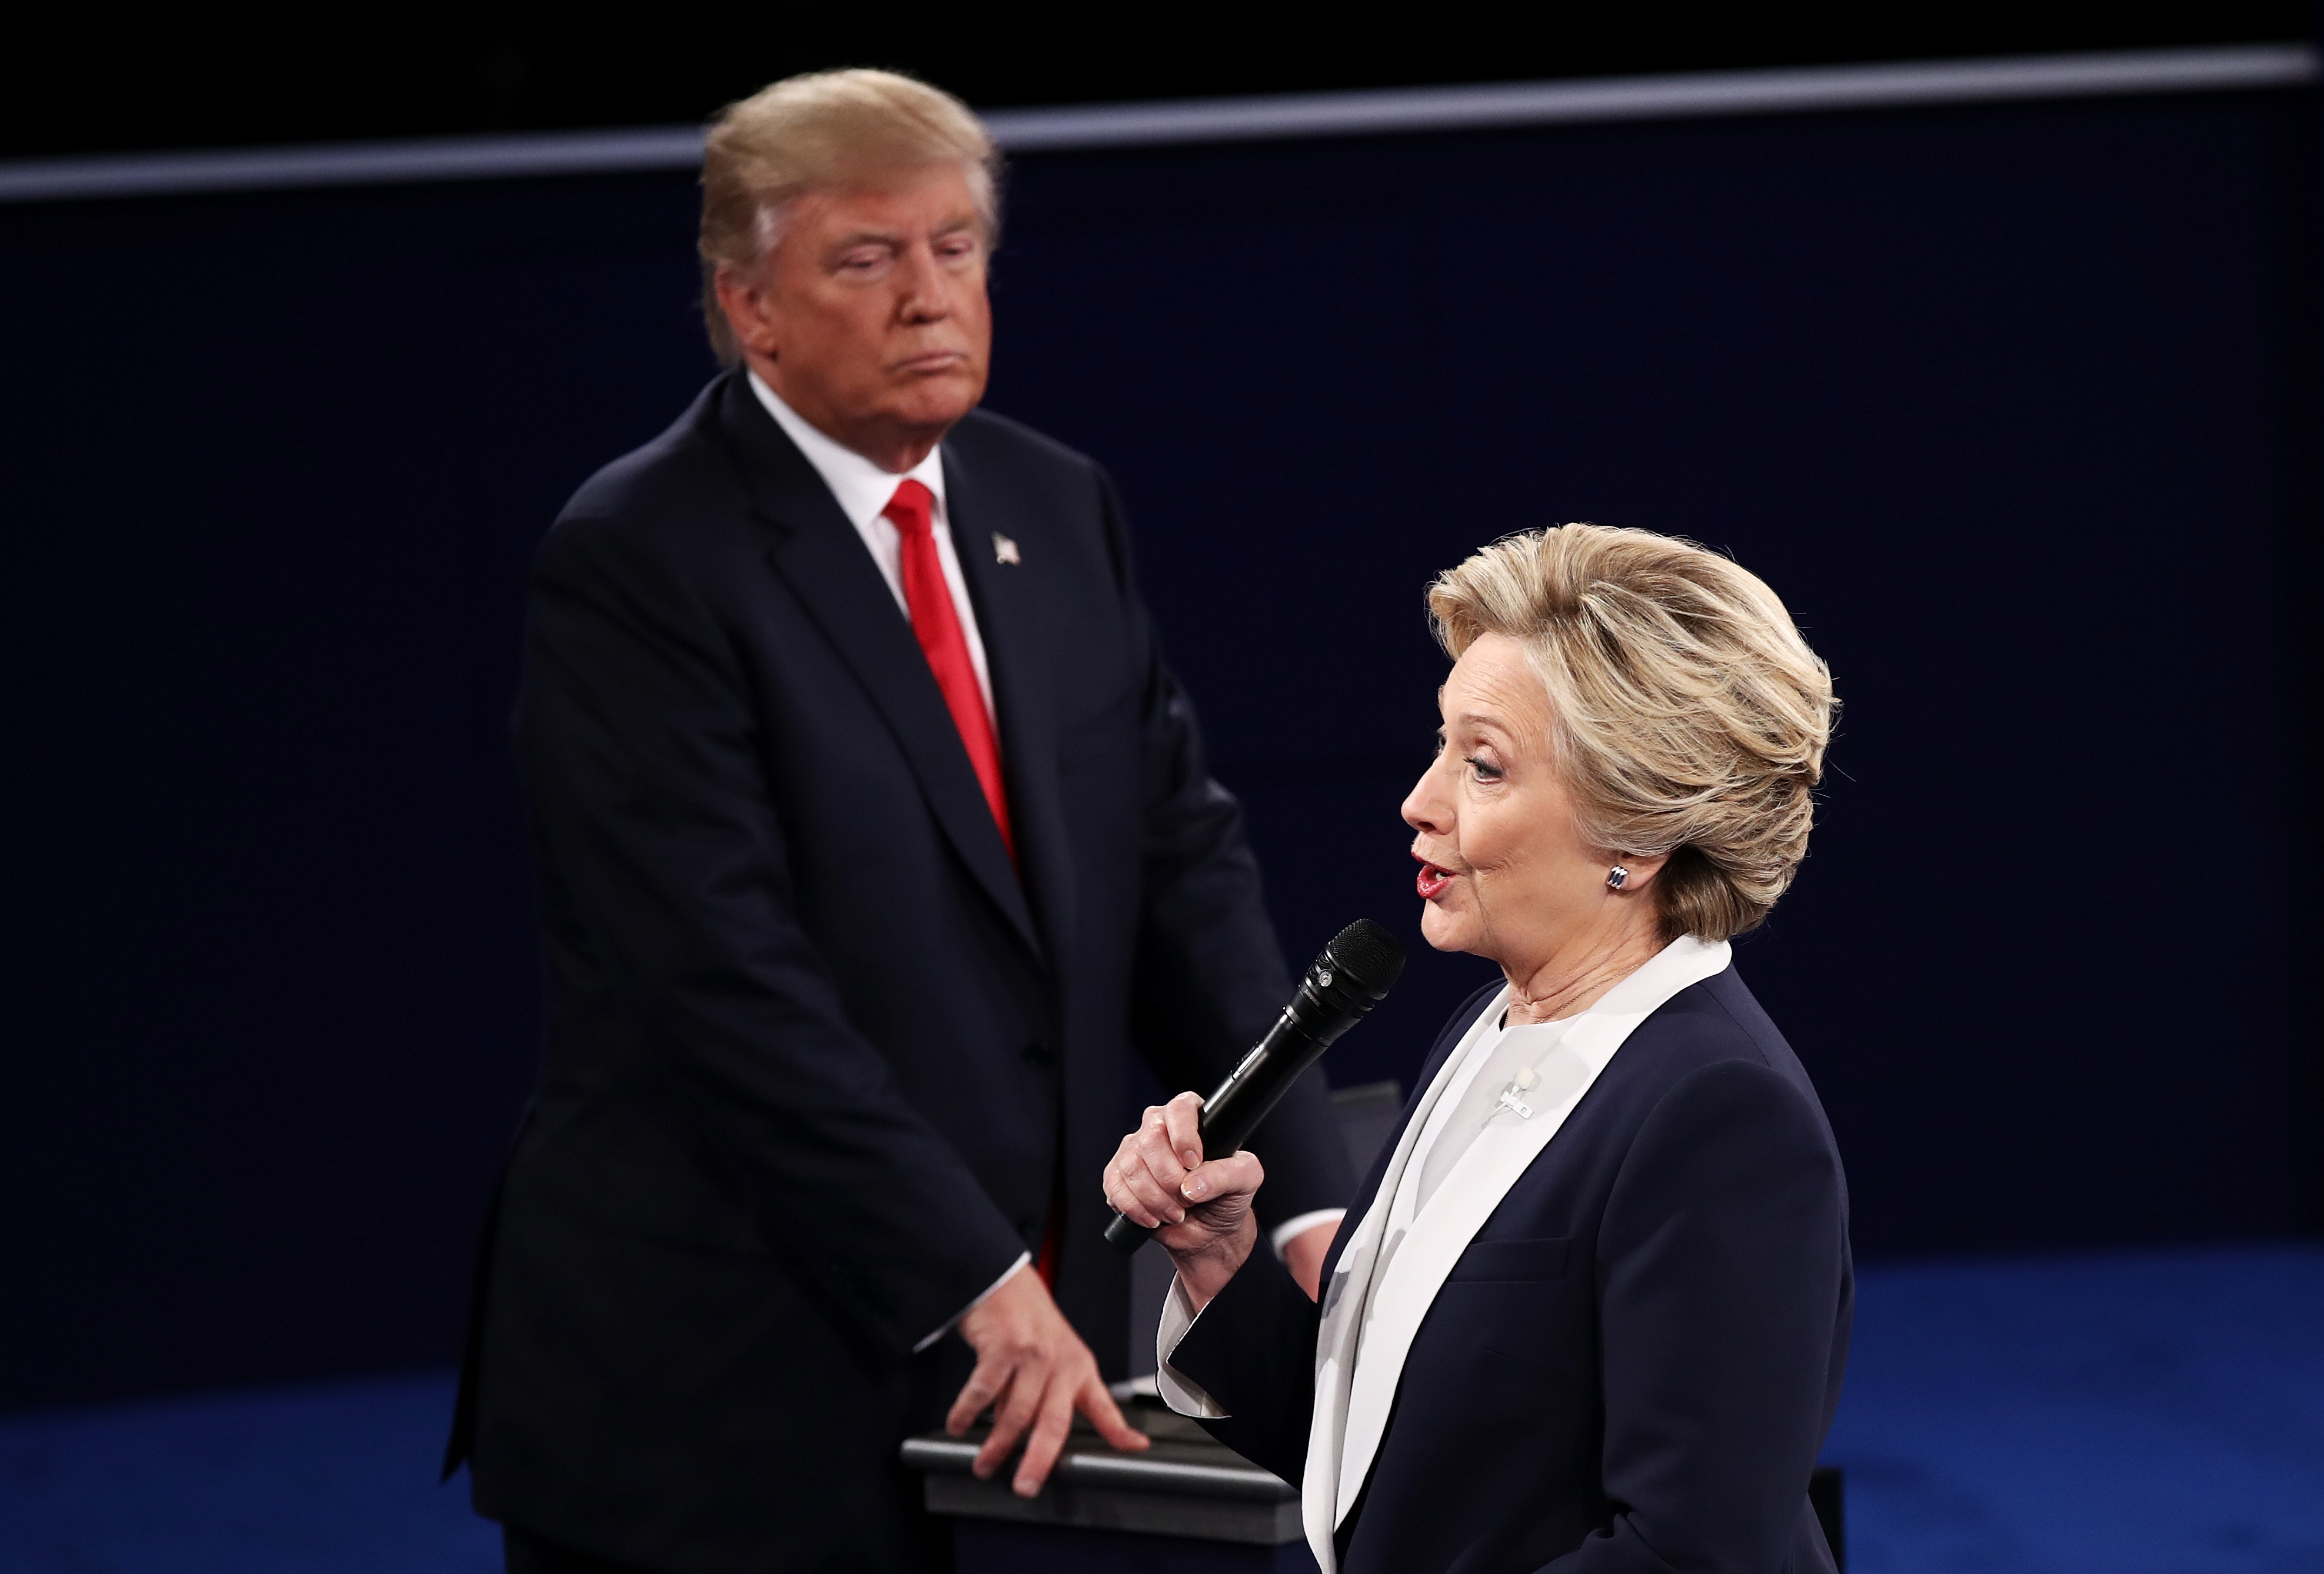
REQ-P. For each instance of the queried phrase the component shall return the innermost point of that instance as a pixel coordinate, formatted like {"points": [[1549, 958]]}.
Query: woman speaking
{"points": [[1591, 1309]]}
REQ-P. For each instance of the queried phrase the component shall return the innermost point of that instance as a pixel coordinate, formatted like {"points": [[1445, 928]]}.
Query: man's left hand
{"points": [[1035, 1372]]}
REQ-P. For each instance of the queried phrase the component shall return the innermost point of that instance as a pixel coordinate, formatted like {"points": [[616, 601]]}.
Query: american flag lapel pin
{"points": [[1004, 550]]}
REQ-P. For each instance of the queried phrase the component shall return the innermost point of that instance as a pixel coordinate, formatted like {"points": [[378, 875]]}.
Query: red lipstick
{"points": [[1432, 880]]}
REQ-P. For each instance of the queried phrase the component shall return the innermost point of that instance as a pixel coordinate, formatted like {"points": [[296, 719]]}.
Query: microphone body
{"points": [[1352, 975]]}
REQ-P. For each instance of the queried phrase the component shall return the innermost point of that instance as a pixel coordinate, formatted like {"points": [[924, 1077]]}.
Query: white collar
{"points": [[862, 487]]}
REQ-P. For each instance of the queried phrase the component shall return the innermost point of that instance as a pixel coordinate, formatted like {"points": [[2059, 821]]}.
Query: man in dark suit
{"points": [[872, 836]]}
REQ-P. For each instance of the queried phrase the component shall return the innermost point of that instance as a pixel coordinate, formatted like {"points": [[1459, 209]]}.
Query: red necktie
{"points": [[937, 624]]}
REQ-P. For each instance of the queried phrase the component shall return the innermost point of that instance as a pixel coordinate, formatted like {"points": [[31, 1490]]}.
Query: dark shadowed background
{"points": [[2015, 405]]}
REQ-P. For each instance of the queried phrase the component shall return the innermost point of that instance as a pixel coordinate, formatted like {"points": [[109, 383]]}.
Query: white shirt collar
{"points": [[862, 487]]}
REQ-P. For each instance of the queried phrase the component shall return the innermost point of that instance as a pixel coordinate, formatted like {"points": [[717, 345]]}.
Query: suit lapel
{"points": [[823, 560], [1008, 617], [1347, 1282]]}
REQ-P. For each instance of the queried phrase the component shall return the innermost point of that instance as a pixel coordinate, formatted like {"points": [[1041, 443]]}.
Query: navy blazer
{"points": [[818, 1055], [1633, 1366]]}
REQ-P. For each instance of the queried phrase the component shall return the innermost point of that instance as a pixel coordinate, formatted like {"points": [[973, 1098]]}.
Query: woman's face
{"points": [[1503, 871]]}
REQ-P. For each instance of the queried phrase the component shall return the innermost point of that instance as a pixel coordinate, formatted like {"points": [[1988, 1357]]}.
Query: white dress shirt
{"points": [[862, 489]]}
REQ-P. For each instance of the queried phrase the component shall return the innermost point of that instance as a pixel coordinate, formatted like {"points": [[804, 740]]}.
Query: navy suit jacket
{"points": [[818, 1055], [1633, 1366]]}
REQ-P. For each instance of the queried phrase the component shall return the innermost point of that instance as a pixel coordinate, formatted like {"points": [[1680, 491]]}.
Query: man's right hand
{"points": [[1035, 1372]]}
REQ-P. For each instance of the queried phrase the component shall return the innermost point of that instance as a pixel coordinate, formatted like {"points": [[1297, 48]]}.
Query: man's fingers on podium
{"points": [[1047, 1441], [998, 1444], [1018, 1410], [1106, 1416], [974, 1395]]}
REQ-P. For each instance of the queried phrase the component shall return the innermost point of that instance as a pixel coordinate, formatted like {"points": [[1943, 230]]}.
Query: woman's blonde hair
{"points": [[820, 131], [1690, 717]]}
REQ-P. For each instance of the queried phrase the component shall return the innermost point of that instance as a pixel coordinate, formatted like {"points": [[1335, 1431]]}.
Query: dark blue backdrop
{"points": [[2014, 405]]}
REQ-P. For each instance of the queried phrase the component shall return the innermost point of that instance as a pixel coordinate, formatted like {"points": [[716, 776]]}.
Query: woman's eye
{"points": [[1483, 770]]}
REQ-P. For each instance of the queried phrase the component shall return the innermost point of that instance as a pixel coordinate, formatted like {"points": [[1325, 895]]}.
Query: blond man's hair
{"points": [[825, 130], [1690, 717]]}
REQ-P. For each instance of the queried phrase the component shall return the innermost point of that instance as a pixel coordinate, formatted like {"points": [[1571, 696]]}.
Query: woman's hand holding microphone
{"points": [[1203, 1210]]}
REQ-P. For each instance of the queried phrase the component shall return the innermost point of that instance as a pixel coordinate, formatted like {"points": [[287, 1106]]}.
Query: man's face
{"points": [[871, 318]]}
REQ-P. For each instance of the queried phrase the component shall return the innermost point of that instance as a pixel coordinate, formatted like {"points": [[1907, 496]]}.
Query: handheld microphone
{"points": [[1353, 975]]}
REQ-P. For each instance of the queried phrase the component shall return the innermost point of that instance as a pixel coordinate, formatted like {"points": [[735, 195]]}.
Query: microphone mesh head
{"points": [[1368, 955]]}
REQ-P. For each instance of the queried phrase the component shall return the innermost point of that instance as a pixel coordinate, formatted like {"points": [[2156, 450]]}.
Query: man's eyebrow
{"points": [[877, 238]]}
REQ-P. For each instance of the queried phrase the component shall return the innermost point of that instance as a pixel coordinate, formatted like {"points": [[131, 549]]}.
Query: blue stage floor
{"points": [[2157, 1413]]}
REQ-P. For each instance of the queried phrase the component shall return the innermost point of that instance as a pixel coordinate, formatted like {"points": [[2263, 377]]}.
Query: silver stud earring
{"points": [[1617, 877]]}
